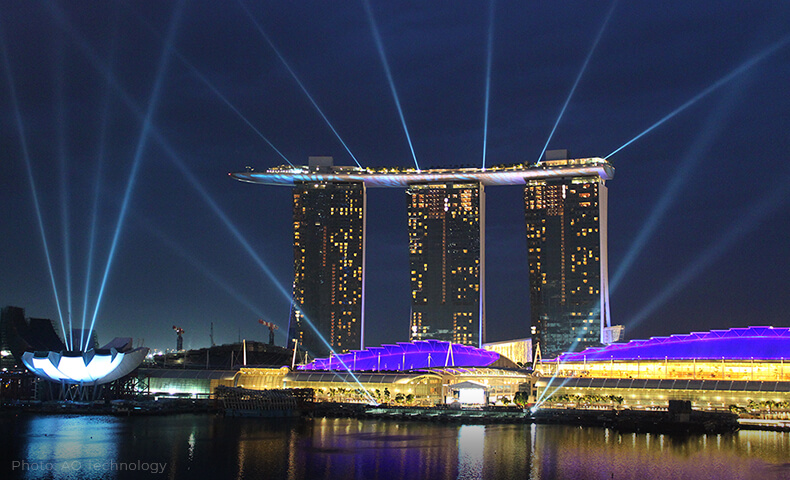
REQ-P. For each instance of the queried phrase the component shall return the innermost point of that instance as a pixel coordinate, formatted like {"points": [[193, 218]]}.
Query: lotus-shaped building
{"points": [[94, 367]]}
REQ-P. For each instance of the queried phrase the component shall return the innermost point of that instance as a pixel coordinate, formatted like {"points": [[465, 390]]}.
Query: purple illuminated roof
{"points": [[759, 343], [406, 356]]}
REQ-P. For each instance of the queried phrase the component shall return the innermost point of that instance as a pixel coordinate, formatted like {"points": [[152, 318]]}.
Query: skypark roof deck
{"points": [[518, 174]]}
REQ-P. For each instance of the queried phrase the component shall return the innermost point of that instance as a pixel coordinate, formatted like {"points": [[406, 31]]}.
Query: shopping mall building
{"points": [[716, 369], [423, 372], [713, 369]]}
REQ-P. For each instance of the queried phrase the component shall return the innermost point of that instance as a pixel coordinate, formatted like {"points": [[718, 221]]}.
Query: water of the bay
{"points": [[212, 447]]}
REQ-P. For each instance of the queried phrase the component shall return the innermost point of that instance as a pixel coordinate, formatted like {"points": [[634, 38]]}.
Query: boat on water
{"points": [[244, 402]]}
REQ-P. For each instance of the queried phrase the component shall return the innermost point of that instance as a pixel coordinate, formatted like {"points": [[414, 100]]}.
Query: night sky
{"points": [[698, 214]]}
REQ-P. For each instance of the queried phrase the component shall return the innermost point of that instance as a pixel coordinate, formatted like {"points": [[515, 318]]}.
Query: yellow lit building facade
{"points": [[519, 351], [421, 387]]}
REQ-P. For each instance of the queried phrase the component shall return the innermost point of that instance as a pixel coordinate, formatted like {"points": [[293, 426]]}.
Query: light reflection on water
{"points": [[203, 447], [471, 451], [66, 444]]}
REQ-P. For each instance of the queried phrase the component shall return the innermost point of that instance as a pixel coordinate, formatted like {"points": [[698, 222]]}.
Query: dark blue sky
{"points": [[698, 213]]}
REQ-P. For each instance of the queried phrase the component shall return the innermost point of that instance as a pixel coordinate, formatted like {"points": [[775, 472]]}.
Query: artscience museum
{"points": [[94, 367]]}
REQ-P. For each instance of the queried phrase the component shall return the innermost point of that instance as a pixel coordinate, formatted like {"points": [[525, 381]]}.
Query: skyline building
{"points": [[566, 220], [446, 225], [11, 319], [329, 264]]}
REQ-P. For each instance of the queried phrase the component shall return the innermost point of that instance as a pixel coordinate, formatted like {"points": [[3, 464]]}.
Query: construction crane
{"points": [[179, 339], [272, 328]]}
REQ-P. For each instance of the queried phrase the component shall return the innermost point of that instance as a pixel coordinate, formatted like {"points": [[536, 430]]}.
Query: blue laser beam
{"points": [[141, 144], [296, 78], [175, 158], [383, 56], [595, 313], [489, 55], [691, 159], [129, 102], [230, 105], [64, 194], [28, 165], [60, 17], [101, 151], [180, 251], [578, 78], [765, 53], [540, 400], [544, 397], [750, 220], [221, 96], [92, 238]]}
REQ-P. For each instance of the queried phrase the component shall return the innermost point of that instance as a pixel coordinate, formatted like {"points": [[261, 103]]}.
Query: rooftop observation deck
{"points": [[397, 177]]}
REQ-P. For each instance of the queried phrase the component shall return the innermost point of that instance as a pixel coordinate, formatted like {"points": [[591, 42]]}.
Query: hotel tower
{"points": [[329, 264], [446, 260], [567, 253]]}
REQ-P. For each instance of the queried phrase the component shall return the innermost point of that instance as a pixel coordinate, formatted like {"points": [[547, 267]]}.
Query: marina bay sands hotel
{"points": [[565, 203]]}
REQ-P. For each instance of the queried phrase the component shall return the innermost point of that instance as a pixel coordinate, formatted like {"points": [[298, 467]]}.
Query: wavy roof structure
{"points": [[404, 356], [759, 343]]}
